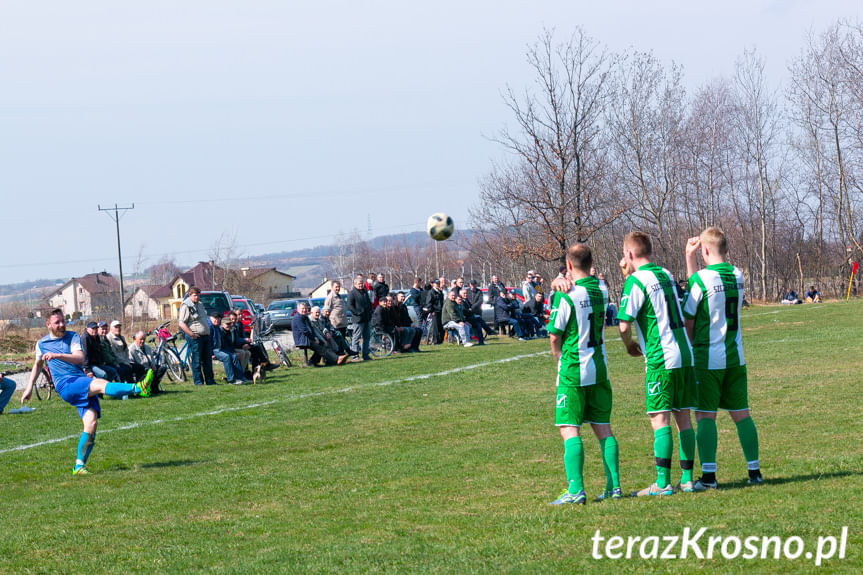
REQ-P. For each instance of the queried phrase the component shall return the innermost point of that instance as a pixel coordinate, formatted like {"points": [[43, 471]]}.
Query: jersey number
{"points": [[674, 320], [592, 331], [731, 313]]}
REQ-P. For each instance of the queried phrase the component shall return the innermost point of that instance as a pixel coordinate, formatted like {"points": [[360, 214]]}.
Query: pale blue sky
{"points": [[299, 118]]}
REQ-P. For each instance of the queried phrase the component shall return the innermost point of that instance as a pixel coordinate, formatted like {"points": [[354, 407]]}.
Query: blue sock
{"points": [[117, 389], [89, 446], [82, 447]]}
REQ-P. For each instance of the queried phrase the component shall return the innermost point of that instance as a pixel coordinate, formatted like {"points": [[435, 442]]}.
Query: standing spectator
{"points": [[381, 288], [435, 308], [370, 290], [337, 310], [141, 353], [539, 284], [361, 314], [223, 348], [121, 351], [94, 364], [528, 287], [416, 297], [404, 326], [124, 372], [453, 318], [192, 320], [443, 286]]}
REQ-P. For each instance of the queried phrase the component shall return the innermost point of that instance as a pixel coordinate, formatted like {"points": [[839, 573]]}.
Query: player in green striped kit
{"points": [[649, 306], [712, 313], [575, 329]]}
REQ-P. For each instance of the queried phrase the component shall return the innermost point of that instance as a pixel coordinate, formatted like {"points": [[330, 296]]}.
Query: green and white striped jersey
{"points": [[715, 298], [649, 302], [579, 316]]}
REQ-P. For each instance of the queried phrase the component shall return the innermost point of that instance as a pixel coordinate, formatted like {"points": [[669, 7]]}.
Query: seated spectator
{"points": [[384, 321], [534, 312], [94, 364], [241, 341], [141, 353], [408, 335], [305, 337], [473, 296], [790, 297], [813, 295], [332, 334], [124, 372], [529, 324], [453, 318], [475, 322], [503, 310], [121, 351], [611, 315], [223, 349]]}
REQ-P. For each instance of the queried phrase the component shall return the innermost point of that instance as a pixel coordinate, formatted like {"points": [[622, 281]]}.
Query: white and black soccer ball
{"points": [[440, 226]]}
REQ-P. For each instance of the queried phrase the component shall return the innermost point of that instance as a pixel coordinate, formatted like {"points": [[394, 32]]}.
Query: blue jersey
{"points": [[61, 370]]}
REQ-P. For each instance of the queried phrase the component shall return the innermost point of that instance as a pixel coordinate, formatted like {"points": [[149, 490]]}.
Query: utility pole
{"points": [[116, 217]]}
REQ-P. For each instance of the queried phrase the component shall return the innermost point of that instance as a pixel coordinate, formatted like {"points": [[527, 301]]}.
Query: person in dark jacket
{"points": [[503, 310], [381, 288], [407, 333], [94, 364], [473, 296], [223, 348], [533, 313], [361, 314], [416, 297], [434, 306], [476, 323], [305, 336]]}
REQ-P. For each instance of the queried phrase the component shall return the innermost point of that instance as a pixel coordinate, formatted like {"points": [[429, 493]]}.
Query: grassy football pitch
{"points": [[436, 462]]}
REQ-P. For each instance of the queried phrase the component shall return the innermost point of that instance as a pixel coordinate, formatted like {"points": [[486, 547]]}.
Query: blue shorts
{"points": [[75, 391]]}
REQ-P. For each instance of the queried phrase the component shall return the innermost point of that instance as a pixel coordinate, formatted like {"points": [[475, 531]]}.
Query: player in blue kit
{"points": [[61, 351]]}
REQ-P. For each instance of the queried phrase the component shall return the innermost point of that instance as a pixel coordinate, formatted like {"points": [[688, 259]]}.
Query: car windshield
{"points": [[281, 305], [241, 303], [215, 302]]}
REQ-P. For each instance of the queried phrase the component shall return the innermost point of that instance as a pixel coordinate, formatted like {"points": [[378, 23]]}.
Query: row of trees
{"points": [[605, 143]]}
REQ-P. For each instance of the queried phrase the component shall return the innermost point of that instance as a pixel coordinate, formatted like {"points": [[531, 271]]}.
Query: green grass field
{"points": [[369, 468]]}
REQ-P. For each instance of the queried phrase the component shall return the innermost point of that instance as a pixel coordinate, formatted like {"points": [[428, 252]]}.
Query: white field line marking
{"points": [[286, 399]]}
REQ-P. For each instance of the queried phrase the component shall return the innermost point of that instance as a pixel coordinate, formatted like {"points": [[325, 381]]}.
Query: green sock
{"points": [[573, 463], [748, 436], [663, 446], [610, 462], [707, 440], [686, 440]]}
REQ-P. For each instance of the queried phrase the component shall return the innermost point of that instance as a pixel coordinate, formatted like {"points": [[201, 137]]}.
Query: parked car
{"points": [[216, 301], [249, 314], [280, 312]]}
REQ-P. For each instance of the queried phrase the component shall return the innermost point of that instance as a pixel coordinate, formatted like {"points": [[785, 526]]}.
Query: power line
{"points": [[116, 218]]}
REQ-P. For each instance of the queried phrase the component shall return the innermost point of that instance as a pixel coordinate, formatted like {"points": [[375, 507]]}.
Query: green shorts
{"points": [[583, 404], [722, 389], [670, 389]]}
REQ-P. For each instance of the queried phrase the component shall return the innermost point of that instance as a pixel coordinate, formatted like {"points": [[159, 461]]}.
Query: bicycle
{"points": [[44, 386], [380, 344], [264, 336], [166, 353]]}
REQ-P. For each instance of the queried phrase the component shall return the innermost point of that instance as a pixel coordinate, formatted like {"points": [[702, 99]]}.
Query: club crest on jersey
{"points": [[653, 387], [561, 400]]}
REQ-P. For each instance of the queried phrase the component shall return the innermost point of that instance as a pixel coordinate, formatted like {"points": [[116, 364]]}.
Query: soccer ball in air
{"points": [[440, 226]]}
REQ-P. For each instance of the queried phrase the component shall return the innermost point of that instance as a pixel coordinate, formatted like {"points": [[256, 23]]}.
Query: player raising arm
{"points": [[583, 390], [712, 314]]}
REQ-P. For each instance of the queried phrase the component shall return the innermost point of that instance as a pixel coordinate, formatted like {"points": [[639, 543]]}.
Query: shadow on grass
{"points": [[174, 463], [792, 479]]}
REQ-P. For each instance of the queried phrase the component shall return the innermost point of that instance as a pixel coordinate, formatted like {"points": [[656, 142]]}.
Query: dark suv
{"points": [[216, 301]]}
